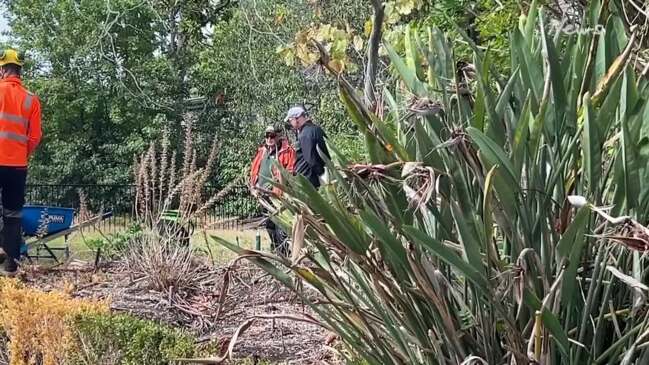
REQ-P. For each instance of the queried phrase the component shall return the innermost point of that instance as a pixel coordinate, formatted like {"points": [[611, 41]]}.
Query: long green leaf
{"points": [[570, 249], [262, 262], [559, 95], [492, 152], [408, 75], [550, 321], [390, 246], [592, 146], [448, 256]]}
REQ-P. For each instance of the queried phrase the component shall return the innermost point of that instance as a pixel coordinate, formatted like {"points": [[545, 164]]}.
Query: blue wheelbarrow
{"points": [[42, 224]]}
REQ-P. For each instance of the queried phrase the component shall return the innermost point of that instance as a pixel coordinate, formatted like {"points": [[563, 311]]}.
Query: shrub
{"points": [[54, 329], [170, 199], [126, 340], [36, 322], [114, 244], [165, 264]]}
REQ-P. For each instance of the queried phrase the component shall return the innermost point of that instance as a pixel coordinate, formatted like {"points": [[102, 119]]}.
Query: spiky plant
{"points": [[477, 234], [169, 203], [161, 187]]}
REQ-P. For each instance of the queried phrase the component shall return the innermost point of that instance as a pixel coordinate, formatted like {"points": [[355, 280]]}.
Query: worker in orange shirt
{"points": [[20, 134], [263, 173]]}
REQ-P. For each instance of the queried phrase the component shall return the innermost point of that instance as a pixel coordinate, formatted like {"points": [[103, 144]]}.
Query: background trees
{"points": [[114, 74]]}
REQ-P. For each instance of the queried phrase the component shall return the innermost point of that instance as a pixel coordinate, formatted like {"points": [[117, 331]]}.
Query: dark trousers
{"points": [[12, 188], [278, 238]]}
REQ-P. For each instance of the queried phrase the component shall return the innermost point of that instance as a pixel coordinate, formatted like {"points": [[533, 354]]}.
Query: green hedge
{"points": [[126, 340]]}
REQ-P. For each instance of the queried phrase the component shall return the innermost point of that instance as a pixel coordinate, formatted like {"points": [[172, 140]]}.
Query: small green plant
{"points": [[350, 146], [123, 339], [114, 244]]}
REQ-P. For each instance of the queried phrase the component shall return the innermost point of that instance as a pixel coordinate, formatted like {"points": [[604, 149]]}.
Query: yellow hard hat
{"points": [[8, 56]]}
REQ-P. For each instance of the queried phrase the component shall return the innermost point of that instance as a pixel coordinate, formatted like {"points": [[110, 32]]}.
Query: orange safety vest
{"points": [[285, 157], [20, 123]]}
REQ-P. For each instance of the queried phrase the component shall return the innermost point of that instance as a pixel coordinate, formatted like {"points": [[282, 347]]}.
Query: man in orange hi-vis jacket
{"points": [[262, 174], [20, 134]]}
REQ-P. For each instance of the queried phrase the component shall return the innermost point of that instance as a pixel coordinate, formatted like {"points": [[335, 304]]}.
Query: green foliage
{"points": [[258, 86], [128, 341], [345, 12], [114, 244], [350, 146], [474, 235], [487, 23], [112, 76], [495, 22], [108, 75]]}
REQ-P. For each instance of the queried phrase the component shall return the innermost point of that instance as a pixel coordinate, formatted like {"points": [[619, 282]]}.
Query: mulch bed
{"points": [[274, 336]]}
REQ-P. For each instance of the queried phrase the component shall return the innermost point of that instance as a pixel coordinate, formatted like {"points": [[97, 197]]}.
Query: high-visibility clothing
{"points": [[20, 123], [285, 157]]}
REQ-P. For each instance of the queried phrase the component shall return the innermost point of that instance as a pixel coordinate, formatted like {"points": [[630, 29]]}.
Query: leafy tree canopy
{"points": [[113, 74]]}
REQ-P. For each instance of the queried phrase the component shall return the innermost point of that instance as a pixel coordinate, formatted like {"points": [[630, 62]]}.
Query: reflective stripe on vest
{"points": [[14, 119], [14, 137], [27, 104]]}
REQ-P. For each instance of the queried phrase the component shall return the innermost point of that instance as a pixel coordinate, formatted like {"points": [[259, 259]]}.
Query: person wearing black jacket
{"points": [[310, 143]]}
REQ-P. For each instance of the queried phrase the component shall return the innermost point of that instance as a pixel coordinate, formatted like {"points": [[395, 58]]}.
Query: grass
{"points": [[245, 238]]}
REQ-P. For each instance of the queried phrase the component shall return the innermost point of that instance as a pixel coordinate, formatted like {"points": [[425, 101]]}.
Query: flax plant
{"points": [[504, 225]]}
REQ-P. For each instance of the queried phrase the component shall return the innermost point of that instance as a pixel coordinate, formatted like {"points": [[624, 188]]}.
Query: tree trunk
{"points": [[373, 55]]}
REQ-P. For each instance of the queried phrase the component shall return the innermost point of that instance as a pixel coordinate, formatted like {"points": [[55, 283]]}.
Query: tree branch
{"points": [[373, 55]]}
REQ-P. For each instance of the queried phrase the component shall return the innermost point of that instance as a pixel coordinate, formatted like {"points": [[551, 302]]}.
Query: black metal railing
{"points": [[235, 207]]}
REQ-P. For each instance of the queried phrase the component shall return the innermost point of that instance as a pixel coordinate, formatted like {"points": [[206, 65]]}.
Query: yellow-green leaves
{"points": [[396, 9], [613, 72], [287, 54], [335, 40], [342, 42]]}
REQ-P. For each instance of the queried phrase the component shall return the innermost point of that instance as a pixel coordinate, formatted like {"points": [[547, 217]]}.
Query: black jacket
{"points": [[310, 138]]}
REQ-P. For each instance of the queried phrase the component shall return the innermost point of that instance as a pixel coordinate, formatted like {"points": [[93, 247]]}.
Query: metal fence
{"points": [[237, 206]]}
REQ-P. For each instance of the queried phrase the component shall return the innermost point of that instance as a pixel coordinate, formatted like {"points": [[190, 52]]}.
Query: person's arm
{"points": [[254, 169], [290, 160], [34, 132]]}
